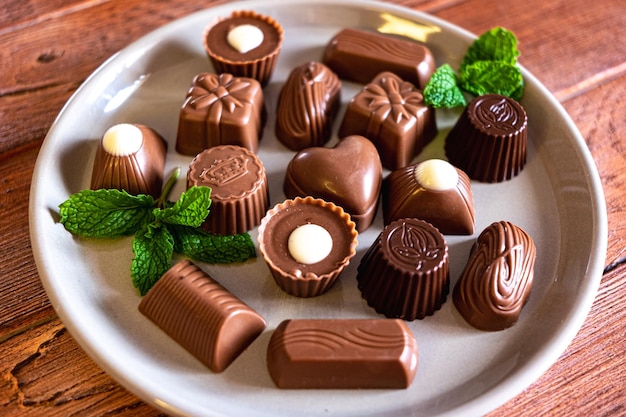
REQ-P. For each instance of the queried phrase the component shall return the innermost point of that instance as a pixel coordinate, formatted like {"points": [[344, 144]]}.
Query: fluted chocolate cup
{"points": [[239, 190], [292, 275], [257, 63], [405, 273], [488, 141]]}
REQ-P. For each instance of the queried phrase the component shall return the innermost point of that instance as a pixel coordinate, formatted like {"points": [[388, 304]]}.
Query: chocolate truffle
{"points": [[359, 55], [307, 106], [488, 141], [349, 175], [130, 157], [342, 353], [433, 191], [201, 315], [220, 110], [405, 273], [239, 191], [245, 44], [307, 243], [392, 114], [498, 277]]}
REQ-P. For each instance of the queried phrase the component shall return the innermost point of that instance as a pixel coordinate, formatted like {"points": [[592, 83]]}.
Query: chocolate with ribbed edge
{"points": [[201, 315]]}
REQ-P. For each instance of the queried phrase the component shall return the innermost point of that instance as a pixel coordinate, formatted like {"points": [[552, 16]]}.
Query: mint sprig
{"points": [[160, 228], [489, 66]]}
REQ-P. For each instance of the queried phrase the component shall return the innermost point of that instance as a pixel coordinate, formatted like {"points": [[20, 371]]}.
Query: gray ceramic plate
{"points": [[557, 199]]}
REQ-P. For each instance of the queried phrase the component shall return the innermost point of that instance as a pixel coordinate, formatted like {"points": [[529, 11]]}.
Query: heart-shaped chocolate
{"points": [[349, 175]]}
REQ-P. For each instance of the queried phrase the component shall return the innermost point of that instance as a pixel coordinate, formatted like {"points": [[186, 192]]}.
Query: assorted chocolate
{"points": [[391, 113], [342, 353], [498, 277]]}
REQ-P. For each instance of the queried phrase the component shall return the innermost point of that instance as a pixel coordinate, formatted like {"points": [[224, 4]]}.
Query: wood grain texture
{"points": [[48, 49]]}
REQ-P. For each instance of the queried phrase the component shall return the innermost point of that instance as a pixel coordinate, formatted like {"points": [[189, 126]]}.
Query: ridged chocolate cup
{"points": [[291, 276], [258, 63], [201, 315], [488, 141], [239, 190], [405, 273]]}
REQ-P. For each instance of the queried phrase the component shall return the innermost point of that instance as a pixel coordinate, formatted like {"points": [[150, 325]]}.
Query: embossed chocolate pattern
{"points": [[498, 277], [357, 353], [349, 175], [307, 105], [413, 247], [201, 315], [359, 55], [499, 115]]}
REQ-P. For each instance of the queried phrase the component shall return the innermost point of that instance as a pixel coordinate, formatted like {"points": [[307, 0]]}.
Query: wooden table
{"points": [[49, 47]]}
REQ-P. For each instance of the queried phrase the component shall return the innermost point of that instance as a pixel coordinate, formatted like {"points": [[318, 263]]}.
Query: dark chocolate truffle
{"points": [[307, 106], [433, 191], [342, 353], [349, 175], [239, 191], [498, 277], [359, 55], [405, 273], [201, 315], [307, 243], [245, 44], [392, 114], [220, 110], [488, 141], [130, 157]]}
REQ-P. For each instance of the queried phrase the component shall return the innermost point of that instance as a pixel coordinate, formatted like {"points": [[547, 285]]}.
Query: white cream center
{"points": [[245, 38], [309, 244], [436, 174], [122, 140]]}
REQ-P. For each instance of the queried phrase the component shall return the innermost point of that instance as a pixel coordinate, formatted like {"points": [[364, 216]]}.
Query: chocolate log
{"points": [[201, 315], [342, 353]]}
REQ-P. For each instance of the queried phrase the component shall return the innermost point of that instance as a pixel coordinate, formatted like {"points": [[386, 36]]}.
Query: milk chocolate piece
{"points": [[488, 141], [405, 273], [239, 190], [342, 353], [307, 106], [257, 63], [297, 278], [497, 280], [220, 110], [392, 114], [137, 172], [201, 315], [349, 175], [449, 208], [359, 55]]}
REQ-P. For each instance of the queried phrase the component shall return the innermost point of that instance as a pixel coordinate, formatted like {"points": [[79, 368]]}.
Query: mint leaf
{"points": [[153, 247], [497, 44], [190, 210], [206, 247], [484, 77], [105, 213], [442, 90]]}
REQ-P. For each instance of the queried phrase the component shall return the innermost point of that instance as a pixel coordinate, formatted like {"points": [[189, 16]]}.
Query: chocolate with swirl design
{"points": [[202, 316], [405, 273], [359, 55], [391, 113], [307, 106], [488, 141], [220, 110], [498, 277], [342, 353]]}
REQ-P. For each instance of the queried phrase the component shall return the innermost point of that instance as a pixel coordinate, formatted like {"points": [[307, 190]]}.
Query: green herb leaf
{"points": [[153, 247], [206, 247], [497, 44], [190, 210], [442, 90], [105, 213], [484, 77]]}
